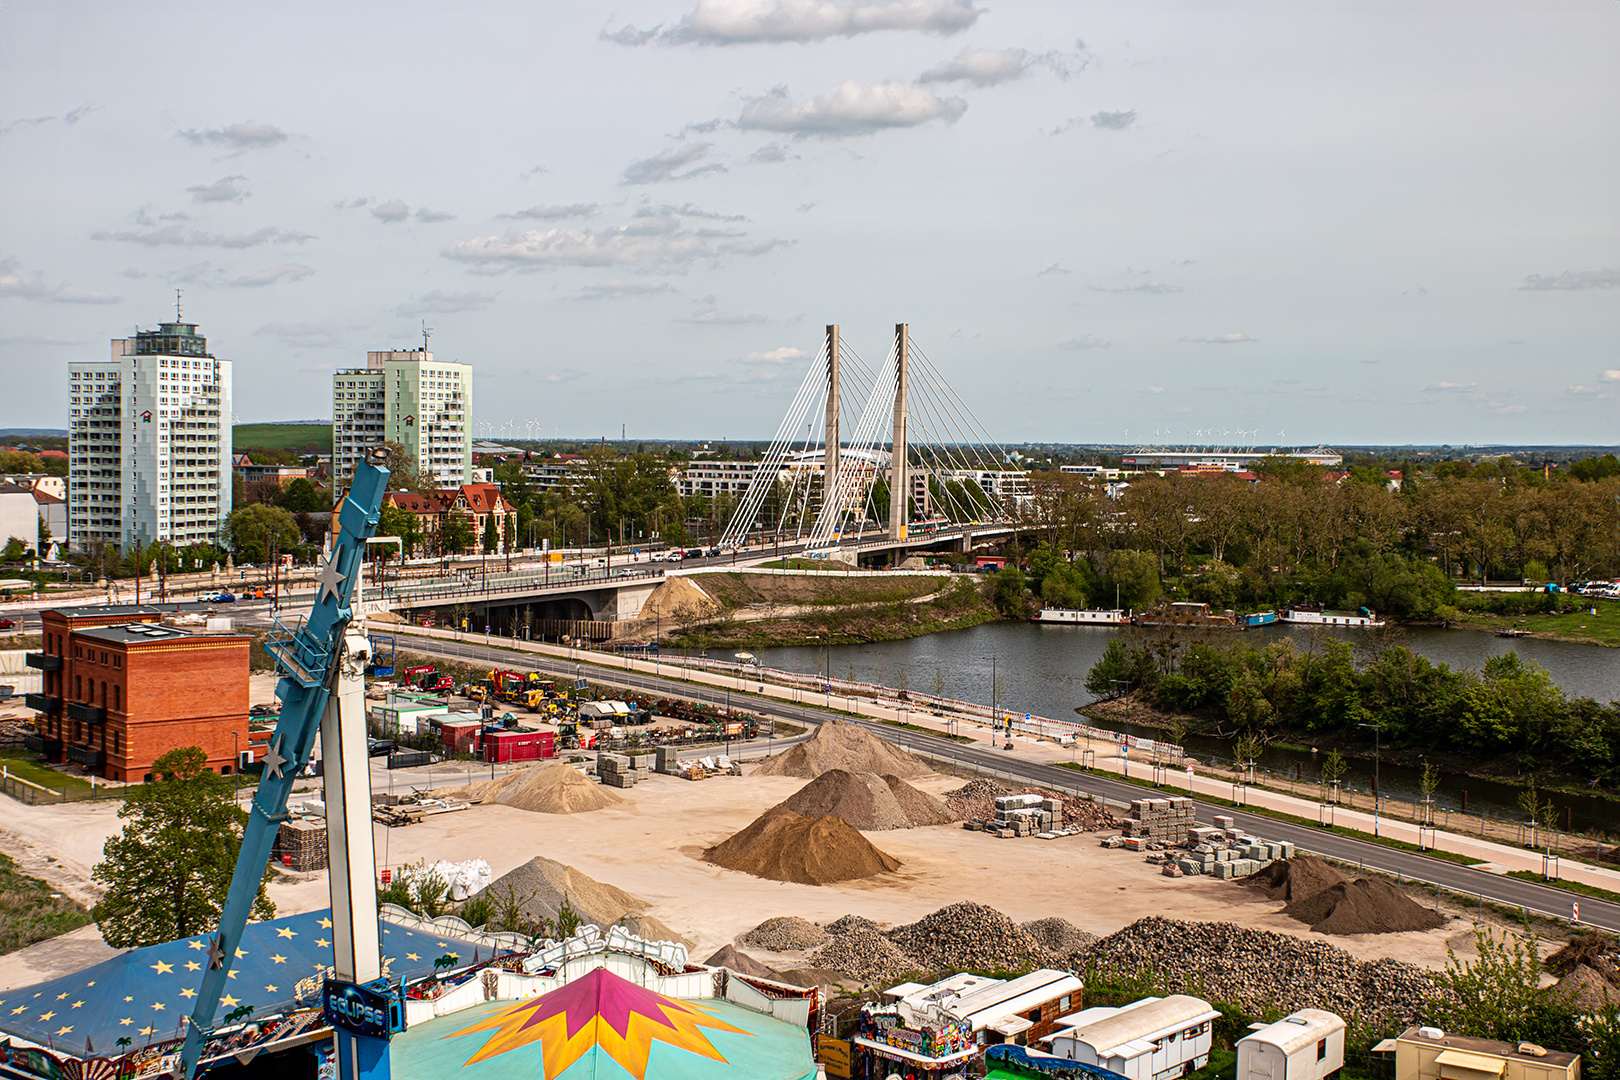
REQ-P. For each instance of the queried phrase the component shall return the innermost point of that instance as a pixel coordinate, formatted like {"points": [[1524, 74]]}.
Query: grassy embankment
{"points": [[31, 910], [311, 438], [1579, 626], [835, 609]]}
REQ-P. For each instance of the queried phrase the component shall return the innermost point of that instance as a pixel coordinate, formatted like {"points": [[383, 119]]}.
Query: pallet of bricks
{"points": [[1026, 815], [1227, 852], [618, 770], [1158, 823], [301, 845]]}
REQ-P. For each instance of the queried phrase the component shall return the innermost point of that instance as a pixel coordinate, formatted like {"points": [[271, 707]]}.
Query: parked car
{"points": [[675, 556], [694, 553], [221, 597], [8, 624], [379, 747]]}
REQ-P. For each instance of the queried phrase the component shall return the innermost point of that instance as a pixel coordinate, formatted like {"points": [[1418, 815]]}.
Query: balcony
{"points": [[44, 703], [41, 744], [43, 661], [83, 755], [90, 714]]}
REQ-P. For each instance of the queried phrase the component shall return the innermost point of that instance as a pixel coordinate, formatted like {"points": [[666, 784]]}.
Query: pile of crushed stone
{"points": [[839, 744], [867, 801], [1060, 937], [969, 936], [784, 933], [785, 846]]}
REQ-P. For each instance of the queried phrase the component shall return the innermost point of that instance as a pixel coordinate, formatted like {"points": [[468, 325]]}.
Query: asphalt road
{"points": [[1462, 880]]}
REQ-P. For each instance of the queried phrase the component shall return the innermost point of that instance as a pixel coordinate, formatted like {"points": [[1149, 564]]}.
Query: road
{"points": [[1462, 880]]}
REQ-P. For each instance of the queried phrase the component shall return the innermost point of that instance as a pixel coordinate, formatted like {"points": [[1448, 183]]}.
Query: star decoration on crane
{"points": [[216, 952], [274, 759], [330, 580]]}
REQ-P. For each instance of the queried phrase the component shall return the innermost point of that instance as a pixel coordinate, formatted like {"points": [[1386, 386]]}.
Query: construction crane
{"points": [[321, 690]]}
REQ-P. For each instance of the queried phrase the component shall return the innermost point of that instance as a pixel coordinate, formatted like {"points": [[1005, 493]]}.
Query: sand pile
{"points": [[652, 928], [552, 788], [839, 744], [1295, 879], [867, 801], [785, 846], [1585, 989], [541, 883], [677, 599], [740, 962], [784, 933], [1363, 906]]}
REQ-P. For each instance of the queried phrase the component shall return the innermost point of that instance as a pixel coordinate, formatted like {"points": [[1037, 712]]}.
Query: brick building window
{"points": [[103, 693], [118, 660], [118, 740], [118, 697], [78, 652], [78, 688]]}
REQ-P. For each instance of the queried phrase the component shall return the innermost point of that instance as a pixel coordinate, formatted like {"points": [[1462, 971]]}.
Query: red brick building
{"points": [[120, 690], [482, 505]]}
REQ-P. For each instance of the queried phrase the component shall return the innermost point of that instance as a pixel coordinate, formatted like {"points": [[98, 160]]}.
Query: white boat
{"points": [[1075, 617], [1314, 615]]}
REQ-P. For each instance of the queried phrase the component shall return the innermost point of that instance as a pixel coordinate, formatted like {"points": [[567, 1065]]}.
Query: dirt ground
{"points": [[651, 846]]}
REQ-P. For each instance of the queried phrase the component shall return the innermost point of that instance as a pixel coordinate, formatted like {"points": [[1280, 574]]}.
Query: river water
{"points": [[1042, 669]]}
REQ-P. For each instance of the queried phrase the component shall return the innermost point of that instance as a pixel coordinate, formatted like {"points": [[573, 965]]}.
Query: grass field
{"points": [[1580, 626], [27, 767], [30, 910], [314, 438]]}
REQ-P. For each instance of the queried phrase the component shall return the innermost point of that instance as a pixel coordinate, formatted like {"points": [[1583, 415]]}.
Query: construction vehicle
{"points": [[382, 656], [413, 676]]}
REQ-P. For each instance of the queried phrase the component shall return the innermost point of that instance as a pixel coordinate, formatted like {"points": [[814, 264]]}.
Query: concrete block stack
{"points": [[667, 760], [1025, 815], [617, 770], [1164, 821], [301, 845]]}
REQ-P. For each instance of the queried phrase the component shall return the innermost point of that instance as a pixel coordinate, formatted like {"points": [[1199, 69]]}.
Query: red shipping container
{"points": [[520, 745], [462, 738]]}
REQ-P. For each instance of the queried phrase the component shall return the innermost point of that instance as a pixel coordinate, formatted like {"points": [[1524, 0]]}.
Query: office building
{"points": [[149, 442], [405, 397]]}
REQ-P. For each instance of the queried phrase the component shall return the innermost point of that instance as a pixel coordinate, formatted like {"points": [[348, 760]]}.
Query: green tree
{"points": [[15, 550], [456, 535], [253, 529], [1010, 590], [393, 521], [1333, 769], [1499, 995], [492, 534], [1136, 573], [300, 498], [168, 872]]}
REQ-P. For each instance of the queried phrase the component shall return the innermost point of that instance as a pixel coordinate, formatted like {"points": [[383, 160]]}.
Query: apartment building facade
{"points": [[409, 397]]}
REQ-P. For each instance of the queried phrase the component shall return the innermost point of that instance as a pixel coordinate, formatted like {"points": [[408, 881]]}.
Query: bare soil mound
{"points": [[784, 933], [679, 599], [1586, 989], [552, 788], [867, 801], [1592, 949], [1363, 906], [1295, 879], [740, 962], [652, 928], [839, 744], [540, 885], [785, 846]]}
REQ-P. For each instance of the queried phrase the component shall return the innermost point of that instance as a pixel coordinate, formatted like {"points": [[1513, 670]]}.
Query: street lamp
{"points": [[1378, 730]]}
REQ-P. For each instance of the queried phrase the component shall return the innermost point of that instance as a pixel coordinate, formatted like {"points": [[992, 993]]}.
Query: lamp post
{"points": [[1378, 731]]}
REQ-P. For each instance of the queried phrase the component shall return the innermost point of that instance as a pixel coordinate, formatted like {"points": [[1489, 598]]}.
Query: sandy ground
{"points": [[652, 847]]}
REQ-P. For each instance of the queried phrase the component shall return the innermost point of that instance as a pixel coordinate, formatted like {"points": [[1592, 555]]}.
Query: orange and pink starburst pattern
{"points": [[599, 1010]]}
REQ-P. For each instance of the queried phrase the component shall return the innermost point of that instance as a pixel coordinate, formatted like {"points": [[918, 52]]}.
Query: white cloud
{"points": [[1445, 387], [619, 246], [247, 135], [1611, 375], [302, 335], [391, 212], [668, 164], [555, 213], [1152, 288], [770, 154], [1153, 390], [180, 236], [431, 216], [1572, 280], [851, 108], [1085, 341], [273, 275], [1114, 121], [225, 189], [1510, 409], [1224, 339], [706, 312], [980, 67], [736, 22], [440, 303], [618, 289], [776, 356], [14, 286]]}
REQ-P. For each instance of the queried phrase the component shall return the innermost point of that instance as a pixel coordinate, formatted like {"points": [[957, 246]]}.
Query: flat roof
{"points": [[99, 611], [145, 633], [1555, 1058]]}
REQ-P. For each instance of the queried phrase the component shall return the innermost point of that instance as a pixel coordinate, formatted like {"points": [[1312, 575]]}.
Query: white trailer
{"points": [[1306, 1045], [1152, 1039]]}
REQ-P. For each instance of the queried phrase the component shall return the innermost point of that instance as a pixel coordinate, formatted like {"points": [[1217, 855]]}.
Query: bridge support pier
{"points": [[899, 478]]}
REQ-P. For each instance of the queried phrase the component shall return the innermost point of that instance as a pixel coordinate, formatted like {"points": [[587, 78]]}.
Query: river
{"points": [[1042, 670]]}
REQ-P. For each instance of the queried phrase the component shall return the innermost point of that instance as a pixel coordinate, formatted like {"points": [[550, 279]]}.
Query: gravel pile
{"points": [[849, 924], [1060, 937], [976, 801], [1260, 970], [784, 933], [865, 954], [967, 935]]}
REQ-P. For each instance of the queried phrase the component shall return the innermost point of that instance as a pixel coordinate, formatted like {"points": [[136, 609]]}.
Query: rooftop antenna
{"points": [[177, 315], [427, 331]]}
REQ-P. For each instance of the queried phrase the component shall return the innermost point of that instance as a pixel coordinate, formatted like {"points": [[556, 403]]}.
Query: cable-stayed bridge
{"points": [[915, 463]]}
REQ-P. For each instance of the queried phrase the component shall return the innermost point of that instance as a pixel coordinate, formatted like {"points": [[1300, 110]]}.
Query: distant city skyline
{"points": [[1352, 225]]}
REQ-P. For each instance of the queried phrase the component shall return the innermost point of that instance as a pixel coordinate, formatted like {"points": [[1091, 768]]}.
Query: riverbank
{"points": [[1595, 625], [835, 611]]}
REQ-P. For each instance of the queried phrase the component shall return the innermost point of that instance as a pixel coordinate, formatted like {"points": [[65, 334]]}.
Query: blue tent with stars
{"points": [[144, 994]]}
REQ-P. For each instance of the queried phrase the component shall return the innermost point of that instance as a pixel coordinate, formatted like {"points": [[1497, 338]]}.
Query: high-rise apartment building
{"points": [[405, 397], [149, 442]]}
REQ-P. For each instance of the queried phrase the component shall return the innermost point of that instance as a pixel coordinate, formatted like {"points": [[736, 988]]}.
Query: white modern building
{"points": [[149, 442], [408, 397]]}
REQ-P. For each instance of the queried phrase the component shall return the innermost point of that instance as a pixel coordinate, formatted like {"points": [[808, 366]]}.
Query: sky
{"points": [[1130, 222]]}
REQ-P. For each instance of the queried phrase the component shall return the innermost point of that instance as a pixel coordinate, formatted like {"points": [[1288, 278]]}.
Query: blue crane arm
{"points": [[308, 652]]}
